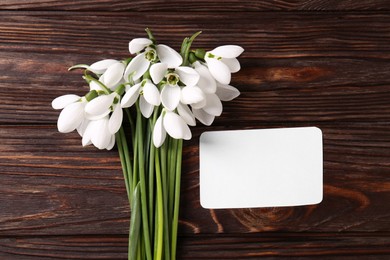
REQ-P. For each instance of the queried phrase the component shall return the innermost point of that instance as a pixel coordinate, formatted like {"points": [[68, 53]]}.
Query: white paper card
{"points": [[261, 168]]}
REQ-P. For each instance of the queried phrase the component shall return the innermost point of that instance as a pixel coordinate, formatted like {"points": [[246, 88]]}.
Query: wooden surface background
{"points": [[306, 63]]}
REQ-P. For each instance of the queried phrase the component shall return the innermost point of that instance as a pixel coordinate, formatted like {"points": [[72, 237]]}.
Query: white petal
{"points": [[213, 105], [228, 51], [146, 108], [219, 70], [101, 137], [176, 126], [199, 105], [227, 92], [151, 93], [86, 140], [169, 56], [131, 96], [233, 64], [82, 127], [203, 117], [139, 65], [112, 143], [96, 117], [186, 114], [100, 104], [158, 71], [113, 74], [115, 121], [187, 75], [191, 95], [206, 81], [94, 86], [62, 101], [159, 133], [70, 117], [101, 66], [170, 97], [138, 44]]}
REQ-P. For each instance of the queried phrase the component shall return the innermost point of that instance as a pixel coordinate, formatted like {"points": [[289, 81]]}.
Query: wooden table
{"points": [[306, 63]]}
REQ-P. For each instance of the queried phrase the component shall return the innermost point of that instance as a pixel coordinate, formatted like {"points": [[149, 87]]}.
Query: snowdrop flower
{"points": [[72, 114], [151, 54], [98, 133], [222, 62], [179, 85], [212, 107], [206, 81], [101, 106], [171, 123], [150, 97], [111, 74], [226, 92]]}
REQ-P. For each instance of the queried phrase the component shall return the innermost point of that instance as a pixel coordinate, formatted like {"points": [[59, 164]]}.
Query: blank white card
{"points": [[261, 168]]}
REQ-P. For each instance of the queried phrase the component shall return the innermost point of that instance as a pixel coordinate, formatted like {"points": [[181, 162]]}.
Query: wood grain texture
{"points": [[332, 70], [327, 69], [192, 6], [52, 185], [286, 35], [250, 246]]}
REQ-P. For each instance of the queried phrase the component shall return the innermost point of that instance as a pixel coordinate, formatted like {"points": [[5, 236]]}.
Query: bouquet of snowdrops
{"points": [[145, 106]]}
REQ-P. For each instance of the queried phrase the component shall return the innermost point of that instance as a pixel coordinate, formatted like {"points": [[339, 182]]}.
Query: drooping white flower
{"points": [[101, 66], [104, 105], [179, 85], [139, 44], [113, 76], [72, 114], [98, 133], [110, 74], [212, 106], [140, 64], [172, 124], [226, 92], [222, 62], [100, 106], [147, 101], [206, 81], [208, 110]]}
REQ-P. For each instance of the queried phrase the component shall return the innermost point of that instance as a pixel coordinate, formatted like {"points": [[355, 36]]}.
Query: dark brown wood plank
{"points": [[244, 246], [50, 185], [306, 89], [329, 67], [191, 6], [266, 35]]}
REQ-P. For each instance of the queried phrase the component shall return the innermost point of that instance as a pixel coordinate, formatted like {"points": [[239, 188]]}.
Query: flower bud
{"points": [[200, 53], [192, 58]]}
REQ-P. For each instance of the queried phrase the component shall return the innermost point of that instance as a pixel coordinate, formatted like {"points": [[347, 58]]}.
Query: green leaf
{"points": [[79, 66]]}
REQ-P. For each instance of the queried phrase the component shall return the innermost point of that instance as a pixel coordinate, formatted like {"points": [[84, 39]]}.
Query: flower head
{"points": [[172, 90], [72, 114], [222, 61]]}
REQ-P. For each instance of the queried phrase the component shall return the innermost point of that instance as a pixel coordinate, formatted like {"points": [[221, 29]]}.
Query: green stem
{"points": [[132, 127], [175, 221], [160, 214], [104, 87], [151, 174], [172, 175], [129, 169], [123, 163], [141, 171], [166, 222], [135, 224]]}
